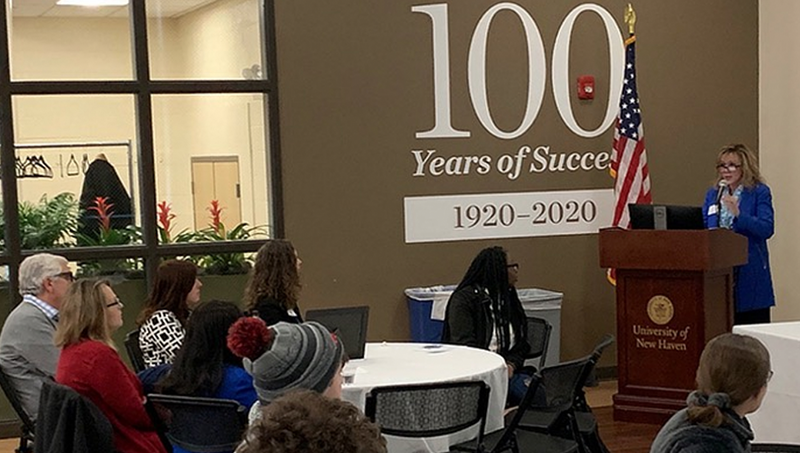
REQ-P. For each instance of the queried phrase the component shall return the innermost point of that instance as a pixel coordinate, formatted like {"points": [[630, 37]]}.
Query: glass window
{"points": [[211, 167], [57, 42], [76, 170], [205, 39]]}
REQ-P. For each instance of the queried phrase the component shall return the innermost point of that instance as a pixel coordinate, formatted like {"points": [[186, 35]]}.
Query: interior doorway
{"points": [[216, 178]]}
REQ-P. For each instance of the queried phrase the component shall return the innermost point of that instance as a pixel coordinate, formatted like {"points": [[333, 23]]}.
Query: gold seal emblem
{"points": [[660, 310]]}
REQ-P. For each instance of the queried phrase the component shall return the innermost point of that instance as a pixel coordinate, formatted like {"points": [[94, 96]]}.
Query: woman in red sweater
{"points": [[90, 365]]}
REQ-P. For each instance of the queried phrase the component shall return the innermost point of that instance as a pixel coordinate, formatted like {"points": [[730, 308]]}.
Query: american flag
{"points": [[629, 159]]}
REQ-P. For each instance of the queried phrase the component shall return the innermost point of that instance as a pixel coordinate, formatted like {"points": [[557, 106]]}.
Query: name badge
{"points": [[713, 210]]}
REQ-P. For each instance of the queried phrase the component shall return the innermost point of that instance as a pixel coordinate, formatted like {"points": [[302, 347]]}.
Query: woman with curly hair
{"points": [[307, 422], [176, 291], [731, 383], [274, 285]]}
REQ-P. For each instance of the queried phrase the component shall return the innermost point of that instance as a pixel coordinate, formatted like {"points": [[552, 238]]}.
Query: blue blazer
{"points": [[756, 221]]}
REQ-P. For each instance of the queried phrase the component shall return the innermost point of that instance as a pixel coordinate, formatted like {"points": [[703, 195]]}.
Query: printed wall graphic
{"points": [[426, 219]]}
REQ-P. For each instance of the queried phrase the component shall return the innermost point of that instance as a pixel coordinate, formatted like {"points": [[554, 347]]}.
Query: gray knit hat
{"points": [[301, 356]]}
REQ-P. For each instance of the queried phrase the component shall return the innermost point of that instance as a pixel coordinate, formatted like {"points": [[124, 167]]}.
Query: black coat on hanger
{"points": [[101, 180]]}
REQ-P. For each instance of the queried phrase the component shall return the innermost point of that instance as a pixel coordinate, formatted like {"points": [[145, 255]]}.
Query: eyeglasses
{"points": [[769, 376], [729, 166], [514, 265], [115, 303], [66, 276]]}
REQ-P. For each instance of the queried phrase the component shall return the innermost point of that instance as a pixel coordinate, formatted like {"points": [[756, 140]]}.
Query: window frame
{"points": [[142, 88]]}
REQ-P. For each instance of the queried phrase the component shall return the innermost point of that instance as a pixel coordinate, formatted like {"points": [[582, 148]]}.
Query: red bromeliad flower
{"points": [[103, 209], [216, 212], [165, 216]]}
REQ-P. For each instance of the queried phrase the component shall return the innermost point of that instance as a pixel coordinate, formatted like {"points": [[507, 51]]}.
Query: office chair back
{"points": [[134, 351], [428, 410], [203, 425], [28, 427], [539, 338], [348, 323]]}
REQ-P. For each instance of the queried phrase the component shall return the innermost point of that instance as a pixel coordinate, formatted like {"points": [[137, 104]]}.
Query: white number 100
{"points": [[476, 71]]}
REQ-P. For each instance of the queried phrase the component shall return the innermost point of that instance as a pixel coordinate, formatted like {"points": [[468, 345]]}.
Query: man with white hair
{"points": [[27, 351]]}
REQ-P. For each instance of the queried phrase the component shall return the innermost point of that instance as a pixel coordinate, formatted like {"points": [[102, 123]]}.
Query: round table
{"points": [[386, 364]]}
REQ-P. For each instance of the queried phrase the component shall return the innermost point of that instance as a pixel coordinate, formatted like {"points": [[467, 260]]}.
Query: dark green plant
{"points": [[224, 263], [50, 223]]}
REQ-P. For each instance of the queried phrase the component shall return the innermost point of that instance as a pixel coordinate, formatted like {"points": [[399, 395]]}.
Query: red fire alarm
{"points": [[585, 87]]}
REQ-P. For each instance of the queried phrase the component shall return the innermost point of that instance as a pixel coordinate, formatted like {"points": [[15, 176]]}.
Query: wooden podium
{"points": [[674, 293]]}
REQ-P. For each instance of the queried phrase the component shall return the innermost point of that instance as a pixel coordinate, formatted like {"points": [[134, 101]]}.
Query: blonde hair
{"points": [[83, 314], [736, 365], [750, 173]]}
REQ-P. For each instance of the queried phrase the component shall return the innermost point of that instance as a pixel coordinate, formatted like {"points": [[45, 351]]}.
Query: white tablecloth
{"points": [[387, 364], [776, 420]]}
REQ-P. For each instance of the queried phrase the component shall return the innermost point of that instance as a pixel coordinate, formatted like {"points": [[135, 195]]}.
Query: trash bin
{"points": [[426, 308], [545, 304]]}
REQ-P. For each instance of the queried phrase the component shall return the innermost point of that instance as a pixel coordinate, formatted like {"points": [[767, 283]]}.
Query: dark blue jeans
{"points": [[518, 386]]}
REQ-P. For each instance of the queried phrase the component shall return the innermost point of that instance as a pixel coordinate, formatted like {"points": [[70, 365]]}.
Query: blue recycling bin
{"points": [[425, 322]]}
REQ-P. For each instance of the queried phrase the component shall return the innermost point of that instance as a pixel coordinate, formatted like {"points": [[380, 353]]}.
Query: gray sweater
{"points": [[27, 353], [680, 435]]}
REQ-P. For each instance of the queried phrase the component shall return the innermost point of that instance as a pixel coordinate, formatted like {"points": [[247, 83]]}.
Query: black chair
{"points": [[562, 383], [510, 438], [134, 351], [428, 410], [567, 414], [774, 448], [71, 422], [28, 427], [203, 425], [539, 338], [584, 418], [349, 324]]}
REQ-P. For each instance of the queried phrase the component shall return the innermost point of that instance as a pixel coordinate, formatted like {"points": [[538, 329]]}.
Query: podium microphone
{"points": [[721, 186]]}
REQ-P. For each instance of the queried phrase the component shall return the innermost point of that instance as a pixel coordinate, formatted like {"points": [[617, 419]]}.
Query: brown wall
{"points": [[355, 82]]}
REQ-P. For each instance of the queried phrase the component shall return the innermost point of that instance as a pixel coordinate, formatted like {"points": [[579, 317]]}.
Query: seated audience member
{"points": [[731, 383], [286, 357], [204, 365], [274, 285], [90, 365], [27, 351], [485, 312], [307, 422], [176, 291]]}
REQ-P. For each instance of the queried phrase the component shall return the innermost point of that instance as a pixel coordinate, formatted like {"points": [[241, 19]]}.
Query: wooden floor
{"points": [[619, 437]]}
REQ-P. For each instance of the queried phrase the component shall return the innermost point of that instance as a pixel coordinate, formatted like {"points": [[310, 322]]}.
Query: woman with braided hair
{"points": [[731, 383], [485, 312]]}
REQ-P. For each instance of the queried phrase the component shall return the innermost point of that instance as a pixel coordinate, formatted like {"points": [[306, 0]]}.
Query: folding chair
{"points": [[510, 438], [134, 351], [566, 413], [539, 338], [203, 425], [28, 427], [428, 410]]}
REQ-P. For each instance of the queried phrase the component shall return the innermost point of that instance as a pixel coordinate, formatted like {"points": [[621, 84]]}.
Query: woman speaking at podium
{"points": [[743, 203]]}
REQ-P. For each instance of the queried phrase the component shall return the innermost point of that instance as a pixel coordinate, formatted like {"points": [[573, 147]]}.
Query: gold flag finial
{"points": [[630, 18]]}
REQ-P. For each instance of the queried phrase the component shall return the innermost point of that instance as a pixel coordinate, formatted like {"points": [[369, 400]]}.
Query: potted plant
{"points": [[50, 223], [225, 263], [106, 235]]}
